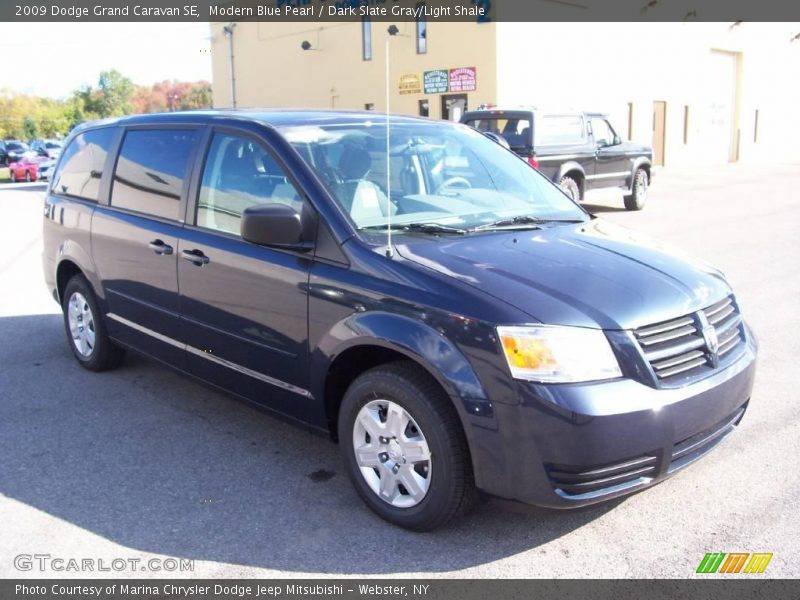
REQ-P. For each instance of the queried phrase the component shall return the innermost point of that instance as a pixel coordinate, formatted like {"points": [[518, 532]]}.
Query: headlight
{"points": [[553, 354]]}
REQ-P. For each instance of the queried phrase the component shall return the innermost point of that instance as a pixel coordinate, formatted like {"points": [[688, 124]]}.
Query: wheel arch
{"points": [[575, 171], [74, 261], [381, 338], [643, 163]]}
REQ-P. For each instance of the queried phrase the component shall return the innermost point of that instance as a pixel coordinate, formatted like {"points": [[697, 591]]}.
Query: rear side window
{"points": [[82, 163], [560, 130], [238, 174], [151, 169], [516, 130]]}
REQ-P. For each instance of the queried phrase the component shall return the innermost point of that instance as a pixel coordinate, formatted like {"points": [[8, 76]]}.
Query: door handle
{"points": [[195, 256], [159, 247]]}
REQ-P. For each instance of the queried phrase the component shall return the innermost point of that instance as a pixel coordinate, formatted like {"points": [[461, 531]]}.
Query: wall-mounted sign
{"points": [[463, 79], [436, 82], [410, 84]]}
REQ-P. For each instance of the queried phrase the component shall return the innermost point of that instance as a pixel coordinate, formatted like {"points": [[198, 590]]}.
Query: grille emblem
{"points": [[710, 336]]}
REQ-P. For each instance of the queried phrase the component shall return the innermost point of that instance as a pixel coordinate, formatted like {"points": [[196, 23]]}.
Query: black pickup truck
{"points": [[579, 151]]}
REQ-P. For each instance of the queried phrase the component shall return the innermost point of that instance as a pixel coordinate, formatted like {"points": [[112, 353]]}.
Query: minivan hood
{"points": [[594, 274]]}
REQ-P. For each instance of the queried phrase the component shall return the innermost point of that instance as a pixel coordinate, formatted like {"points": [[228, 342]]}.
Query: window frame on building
{"points": [[421, 30], [366, 39]]}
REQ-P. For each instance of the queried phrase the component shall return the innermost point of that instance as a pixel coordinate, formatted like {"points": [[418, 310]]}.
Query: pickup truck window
{"points": [[553, 130], [150, 171], [82, 164]]}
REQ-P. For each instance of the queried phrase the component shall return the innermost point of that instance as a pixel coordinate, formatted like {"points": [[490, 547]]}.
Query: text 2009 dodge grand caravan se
{"points": [[446, 313]]}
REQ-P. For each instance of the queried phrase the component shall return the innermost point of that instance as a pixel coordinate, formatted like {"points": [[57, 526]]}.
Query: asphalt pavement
{"points": [[142, 463]]}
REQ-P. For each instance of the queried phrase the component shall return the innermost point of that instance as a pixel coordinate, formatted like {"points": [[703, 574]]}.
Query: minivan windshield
{"points": [[438, 174]]}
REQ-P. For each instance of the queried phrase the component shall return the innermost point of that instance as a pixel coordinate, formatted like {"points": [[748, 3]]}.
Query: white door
{"points": [[721, 90]]}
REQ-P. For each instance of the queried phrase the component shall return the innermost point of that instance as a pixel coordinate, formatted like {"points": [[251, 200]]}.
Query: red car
{"points": [[26, 168]]}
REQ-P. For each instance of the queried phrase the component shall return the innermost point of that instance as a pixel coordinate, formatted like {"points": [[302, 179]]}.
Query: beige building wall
{"points": [[713, 77], [272, 70], [715, 74]]}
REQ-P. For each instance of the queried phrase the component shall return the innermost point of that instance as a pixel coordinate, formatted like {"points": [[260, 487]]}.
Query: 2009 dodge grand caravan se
{"points": [[446, 313]]}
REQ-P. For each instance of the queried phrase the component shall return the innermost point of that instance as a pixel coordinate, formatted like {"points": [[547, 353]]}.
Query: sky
{"points": [[53, 59]]}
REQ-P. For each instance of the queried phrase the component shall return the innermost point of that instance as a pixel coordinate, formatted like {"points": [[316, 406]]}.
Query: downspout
{"points": [[228, 29]]}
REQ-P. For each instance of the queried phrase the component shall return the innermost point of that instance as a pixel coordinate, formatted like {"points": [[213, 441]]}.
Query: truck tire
{"points": [[570, 188], [638, 196]]}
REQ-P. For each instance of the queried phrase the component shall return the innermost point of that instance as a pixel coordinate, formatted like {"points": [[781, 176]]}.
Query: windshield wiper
{"points": [[421, 227], [522, 222]]}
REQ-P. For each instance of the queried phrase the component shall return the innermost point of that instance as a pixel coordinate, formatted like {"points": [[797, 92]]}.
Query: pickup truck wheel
{"points": [[404, 447], [638, 197], [570, 187], [86, 332]]}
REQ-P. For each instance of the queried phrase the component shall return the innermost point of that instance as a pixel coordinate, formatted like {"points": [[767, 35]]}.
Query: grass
{"points": [[5, 175]]}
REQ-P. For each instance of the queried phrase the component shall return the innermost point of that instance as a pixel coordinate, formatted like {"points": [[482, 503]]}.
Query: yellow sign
{"points": [[410, 83]]}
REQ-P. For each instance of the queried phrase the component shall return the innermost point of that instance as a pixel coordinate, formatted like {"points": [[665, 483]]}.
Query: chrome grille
{"points": [[679, 348]]}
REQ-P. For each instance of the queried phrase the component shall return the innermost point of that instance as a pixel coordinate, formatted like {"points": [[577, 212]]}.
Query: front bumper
{"points": [[570, 445]]}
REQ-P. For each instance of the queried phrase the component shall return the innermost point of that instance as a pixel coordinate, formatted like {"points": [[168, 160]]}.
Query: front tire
{"points": [[638, 196], [404, 448], [86, 331], [570, 187], [28, 177]]}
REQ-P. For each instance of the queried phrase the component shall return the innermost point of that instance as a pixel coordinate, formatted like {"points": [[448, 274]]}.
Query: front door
{"points": [[612, 165], [659, 131], [244, 306], [453, 107]]}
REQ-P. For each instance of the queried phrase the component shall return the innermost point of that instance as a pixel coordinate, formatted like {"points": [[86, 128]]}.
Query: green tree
{"points": [[114, 94], [29, 128]]}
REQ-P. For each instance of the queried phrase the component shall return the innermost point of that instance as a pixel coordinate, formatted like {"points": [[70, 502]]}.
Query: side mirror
{"points": [[617, 140], [272, 225]]}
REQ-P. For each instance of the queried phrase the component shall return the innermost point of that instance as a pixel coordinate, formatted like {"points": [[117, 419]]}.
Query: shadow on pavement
{"points": [[602, 208], [148, 459], [38, 186]]}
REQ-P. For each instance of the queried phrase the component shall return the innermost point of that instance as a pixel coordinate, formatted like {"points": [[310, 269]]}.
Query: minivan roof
{"points": [[274, 117]]}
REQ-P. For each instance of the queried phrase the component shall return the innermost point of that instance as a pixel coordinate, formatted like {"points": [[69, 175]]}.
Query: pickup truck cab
{"points": [[444, 312], [580, 151]]}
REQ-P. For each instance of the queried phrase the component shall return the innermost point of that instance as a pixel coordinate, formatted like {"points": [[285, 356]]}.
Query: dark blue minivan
{"points": [[410, 288]]}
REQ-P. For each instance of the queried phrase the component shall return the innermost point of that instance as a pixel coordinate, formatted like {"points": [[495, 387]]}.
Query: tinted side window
{"points": [[150, 171], [603, 134], [238, 174], [81, 166], [567, 129]]}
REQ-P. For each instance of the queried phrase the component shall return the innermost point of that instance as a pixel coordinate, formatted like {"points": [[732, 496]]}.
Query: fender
{"points": [[418, 341], [639, 161], [568, 166], [76, 254]]}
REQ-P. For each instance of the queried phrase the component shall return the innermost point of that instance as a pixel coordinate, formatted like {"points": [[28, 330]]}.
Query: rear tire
{"points": [[429, 447], [13, 176], [570, 188], [86, 331], [638, 196]]}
